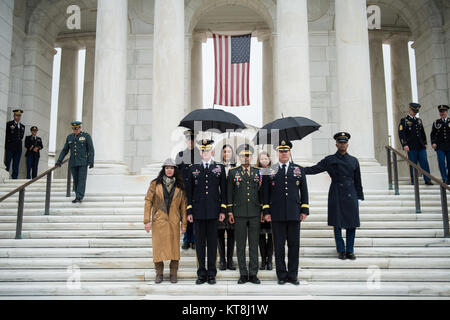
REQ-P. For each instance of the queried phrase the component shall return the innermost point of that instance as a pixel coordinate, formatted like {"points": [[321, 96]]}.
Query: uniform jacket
{"points": [[243, 192], [412, 133], [81, 150], [185, 159], [14, 136], [206, 191], [165, 226], [345, 189], [285, 196], [31, 142], [440, 134]]}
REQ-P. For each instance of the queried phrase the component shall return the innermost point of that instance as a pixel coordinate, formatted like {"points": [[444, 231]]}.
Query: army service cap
{"points": [[76, 124], [443, 107], [206, 144], [17, 112], [342, 137], [34, 128], [245, 150], [415, 106], [284, 146]]}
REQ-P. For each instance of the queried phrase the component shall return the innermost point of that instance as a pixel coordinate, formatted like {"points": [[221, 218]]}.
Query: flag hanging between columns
{"points": [[232, 66]]}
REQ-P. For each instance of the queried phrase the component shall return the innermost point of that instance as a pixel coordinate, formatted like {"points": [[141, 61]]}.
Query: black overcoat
{"points": [[345, 189]]}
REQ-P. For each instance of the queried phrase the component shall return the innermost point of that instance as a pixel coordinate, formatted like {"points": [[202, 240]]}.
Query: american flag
{"points": [[232, 66]]}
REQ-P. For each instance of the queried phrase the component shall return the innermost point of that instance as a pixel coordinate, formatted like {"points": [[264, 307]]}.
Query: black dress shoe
{"points": [[269, 265], [185, 246], [230, 265], [263, 265], [76, 200], [429, 183], [222, 265], [281, 281], [254, 279], [294, 281], [341, 255], [350, 255], [200, 281], [242, 279], [193, 245], [211, 280]]}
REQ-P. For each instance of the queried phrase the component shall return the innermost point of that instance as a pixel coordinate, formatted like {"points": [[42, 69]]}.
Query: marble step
{"points": [[306, 225], [147, 242], [148, 252], [140, 275], [377, 233], [75, 209], [138, 218], [147, 263], [227, 288]]}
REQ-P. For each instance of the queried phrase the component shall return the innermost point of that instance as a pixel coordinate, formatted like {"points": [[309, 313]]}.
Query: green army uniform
{"points": [[243, 202], [81, 156]]}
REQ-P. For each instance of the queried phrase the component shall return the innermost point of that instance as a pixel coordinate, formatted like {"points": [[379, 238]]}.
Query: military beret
{"points": [[206, 145], [342, 137], [169, 163], [283, 146], [18, 112], [244, 149], [443, 107], [34, 128], [415, 106], [76, 124]]}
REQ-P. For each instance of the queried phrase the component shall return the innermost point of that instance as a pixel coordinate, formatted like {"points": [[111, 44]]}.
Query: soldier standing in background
{"points": [[413, 140], [13, 143], [33, 144], [440, 141], [184, 160]]}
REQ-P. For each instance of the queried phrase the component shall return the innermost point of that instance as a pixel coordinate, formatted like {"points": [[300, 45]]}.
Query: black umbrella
{"points": [[290, 128], [212, 119]]}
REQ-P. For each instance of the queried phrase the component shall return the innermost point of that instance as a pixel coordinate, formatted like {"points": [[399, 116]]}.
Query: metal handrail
{"points": [[21, 190], [394, 179]]}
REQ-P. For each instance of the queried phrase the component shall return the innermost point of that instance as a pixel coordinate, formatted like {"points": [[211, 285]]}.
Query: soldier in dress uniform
{"points": [[413, 140], [184, 160], [285, 204], [81, 156], [244, 211], [15, 131], [206, 203], [33, 144], [344, 195], [440, 141]]}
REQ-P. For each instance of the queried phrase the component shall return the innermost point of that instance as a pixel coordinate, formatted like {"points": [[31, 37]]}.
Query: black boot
{"points": [[263, 263]]}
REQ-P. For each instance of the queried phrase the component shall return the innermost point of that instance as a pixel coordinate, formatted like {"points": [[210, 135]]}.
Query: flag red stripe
{"points": [[226, 70], [215, 69], [248, 83]]}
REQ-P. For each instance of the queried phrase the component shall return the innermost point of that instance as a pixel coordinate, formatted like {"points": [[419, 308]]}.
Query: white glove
{"points": [[359, 201]]}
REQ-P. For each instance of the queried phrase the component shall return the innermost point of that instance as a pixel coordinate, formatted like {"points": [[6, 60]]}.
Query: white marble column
{"points": [[197, 71], [401, 81], [380, 119], [293, 97], [68, 92], [168, 76], [110, 83], [353, 77], [267, 77], [88, 90]]}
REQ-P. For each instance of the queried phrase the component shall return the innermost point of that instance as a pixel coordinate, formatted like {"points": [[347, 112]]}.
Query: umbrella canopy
{"points": [[212, 119], [289, 129]]}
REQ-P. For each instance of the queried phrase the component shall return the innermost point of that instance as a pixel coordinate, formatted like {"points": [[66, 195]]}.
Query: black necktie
{"points": [[206, 166], [284, 169]]}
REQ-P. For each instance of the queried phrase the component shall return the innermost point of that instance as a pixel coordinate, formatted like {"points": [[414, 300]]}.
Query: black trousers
{"points": [[205, 232], [266, 247], [32, 167], [230, 244], [286, 231]]}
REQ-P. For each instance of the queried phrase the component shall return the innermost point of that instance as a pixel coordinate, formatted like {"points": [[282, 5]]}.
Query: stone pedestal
{"points": [[110, 83], [379, 108], [292, 84]]}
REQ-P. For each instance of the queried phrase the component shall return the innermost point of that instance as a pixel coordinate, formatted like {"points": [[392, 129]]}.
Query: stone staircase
{"points": [[102, 243]]}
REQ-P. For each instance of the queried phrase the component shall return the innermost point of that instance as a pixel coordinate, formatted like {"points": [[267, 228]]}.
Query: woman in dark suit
{"points": [[229, 162]]}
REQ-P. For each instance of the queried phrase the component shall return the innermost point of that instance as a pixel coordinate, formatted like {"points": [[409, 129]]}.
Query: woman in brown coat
{"points": [[165, 207]]}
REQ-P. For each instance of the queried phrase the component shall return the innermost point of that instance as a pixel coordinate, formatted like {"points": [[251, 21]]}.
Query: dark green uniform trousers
{"points": [[79, 174], [247, 228]]}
